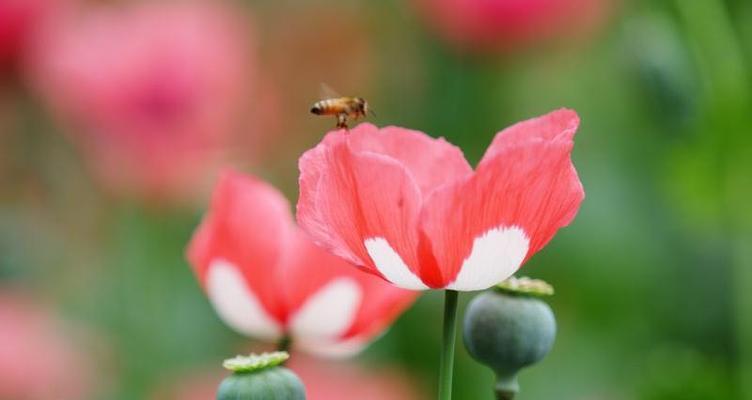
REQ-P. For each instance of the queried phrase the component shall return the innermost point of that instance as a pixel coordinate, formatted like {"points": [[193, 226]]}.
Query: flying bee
{"points": [[341, 107]]}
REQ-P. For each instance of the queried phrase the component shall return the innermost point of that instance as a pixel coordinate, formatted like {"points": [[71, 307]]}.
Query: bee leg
{"points": [[342, 121]]}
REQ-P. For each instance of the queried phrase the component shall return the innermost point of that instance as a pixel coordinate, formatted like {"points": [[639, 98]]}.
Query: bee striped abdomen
{"points": [[342, 108], [328, 107]]}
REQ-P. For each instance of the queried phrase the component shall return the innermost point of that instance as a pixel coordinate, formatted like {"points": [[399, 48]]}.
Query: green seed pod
{"points": [[260, 377], [660, 60], [510, 328]]}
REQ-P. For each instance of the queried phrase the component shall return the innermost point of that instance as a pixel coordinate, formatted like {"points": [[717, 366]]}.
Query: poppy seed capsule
{"points": [[508, 329], [260, 377]]}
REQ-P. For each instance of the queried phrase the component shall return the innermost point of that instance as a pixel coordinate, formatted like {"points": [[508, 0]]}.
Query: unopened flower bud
{"points": [[260, 377], [510, 328]]}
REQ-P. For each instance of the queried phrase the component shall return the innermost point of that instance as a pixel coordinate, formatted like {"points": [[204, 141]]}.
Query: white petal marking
{"points": [[391, 265], [236, 304], [330, 349], [495, 256], [329, 313]]}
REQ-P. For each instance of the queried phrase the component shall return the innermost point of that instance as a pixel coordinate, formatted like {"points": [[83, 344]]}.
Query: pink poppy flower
{"points": [[410, 209], [39, 358], [267, 280], [152, 91], [509, 24], [20, 20]]}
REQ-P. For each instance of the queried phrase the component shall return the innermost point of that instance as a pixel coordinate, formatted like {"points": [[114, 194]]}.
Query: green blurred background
{"points": [[653, 278]]}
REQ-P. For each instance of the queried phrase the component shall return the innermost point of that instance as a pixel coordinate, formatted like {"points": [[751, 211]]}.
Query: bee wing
{"points": [[326, 92]]}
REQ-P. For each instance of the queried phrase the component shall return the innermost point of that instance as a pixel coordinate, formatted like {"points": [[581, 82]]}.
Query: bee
{"points": [[341, 107]]}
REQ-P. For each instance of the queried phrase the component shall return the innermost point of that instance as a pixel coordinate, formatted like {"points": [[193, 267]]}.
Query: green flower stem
{"points": [[447, 346], [284, 344], [507, 387]]}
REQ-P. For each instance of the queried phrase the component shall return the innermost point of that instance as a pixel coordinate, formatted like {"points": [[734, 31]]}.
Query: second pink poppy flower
{"points": [[267, 280]]}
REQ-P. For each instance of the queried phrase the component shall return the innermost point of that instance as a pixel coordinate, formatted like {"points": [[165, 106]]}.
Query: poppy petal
{"points": [[266, 278], [349, 201], [311, 270], [236, 304], [561, 124], [484, 227], [329, 313], [332, 349], [249, 225], [431, 162]]}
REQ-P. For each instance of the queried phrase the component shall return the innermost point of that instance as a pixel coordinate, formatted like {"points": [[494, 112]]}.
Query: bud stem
{"points": [[502, 394], [506, 387], [447, 349], [284, 343]]}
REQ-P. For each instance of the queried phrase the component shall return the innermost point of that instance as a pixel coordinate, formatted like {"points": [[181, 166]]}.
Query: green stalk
{"points": [[284, 343], [447, 346]]}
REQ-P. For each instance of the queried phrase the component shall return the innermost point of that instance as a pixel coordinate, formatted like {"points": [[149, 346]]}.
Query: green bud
{"points": [[661, 62], [260, 377], [510, 328]]}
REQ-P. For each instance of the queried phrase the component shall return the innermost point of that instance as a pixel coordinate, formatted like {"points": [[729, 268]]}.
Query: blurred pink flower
{"points": [[38, 361], [348, 381], [503, 25], [152, 91], [19, 22], [324, 380], [267, 280]]}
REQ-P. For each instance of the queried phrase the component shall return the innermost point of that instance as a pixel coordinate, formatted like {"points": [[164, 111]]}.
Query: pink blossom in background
{"points": [[503, 25], [267, 280], [349, 381], [20, 20], [410, 209], [152, 92], [324, 380], [39, 360]]}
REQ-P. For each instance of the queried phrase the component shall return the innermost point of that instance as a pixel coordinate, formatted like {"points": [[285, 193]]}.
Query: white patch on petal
{"points": [[495, 256], [336, 350], [391, 266], [329, 313], [236, 304]]}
